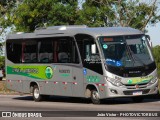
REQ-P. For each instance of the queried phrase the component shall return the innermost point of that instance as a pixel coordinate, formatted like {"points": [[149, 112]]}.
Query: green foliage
{"points": [[31, 14], [94, 15], [156, 52], [133, 13], [2, 61], [6, 8], [26, 15]]}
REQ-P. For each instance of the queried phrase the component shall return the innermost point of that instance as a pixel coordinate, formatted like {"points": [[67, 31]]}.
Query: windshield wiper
{"points": [[130, 53], [135, 57]]}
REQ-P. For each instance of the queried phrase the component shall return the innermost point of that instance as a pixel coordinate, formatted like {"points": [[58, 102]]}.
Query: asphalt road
{"points": [[26, 103]]}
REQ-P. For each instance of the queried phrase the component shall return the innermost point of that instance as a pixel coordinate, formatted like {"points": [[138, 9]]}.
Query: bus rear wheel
{"points": [[36, 94], [95, 97]]}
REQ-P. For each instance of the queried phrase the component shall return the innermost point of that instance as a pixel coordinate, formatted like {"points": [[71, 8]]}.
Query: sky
{"points": [[154, 33]]}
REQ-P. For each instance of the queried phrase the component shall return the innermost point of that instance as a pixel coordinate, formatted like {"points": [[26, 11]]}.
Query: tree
{"points": [[133, 13], [31, 14], [6, 8], [156, 51]]}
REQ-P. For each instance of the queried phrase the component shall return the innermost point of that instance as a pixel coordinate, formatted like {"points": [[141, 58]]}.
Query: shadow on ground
{"points": [[109, 101]]}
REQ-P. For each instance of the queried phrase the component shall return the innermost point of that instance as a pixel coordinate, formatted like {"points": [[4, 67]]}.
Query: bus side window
{"points": [[26, 55], [64, 51], [14, 51], [67, 51], [29, 51], [45, 51], [57, 50]]}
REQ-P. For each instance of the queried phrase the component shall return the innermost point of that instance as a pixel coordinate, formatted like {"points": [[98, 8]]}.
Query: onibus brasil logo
{"points": [[49, 72]]}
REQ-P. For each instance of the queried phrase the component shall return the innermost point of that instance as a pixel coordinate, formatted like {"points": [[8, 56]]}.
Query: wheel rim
{"points": [[36, 93], [95, 95]]}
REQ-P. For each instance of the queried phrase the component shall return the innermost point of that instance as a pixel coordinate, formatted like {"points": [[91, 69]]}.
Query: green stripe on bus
{"points": [[35, 72]]}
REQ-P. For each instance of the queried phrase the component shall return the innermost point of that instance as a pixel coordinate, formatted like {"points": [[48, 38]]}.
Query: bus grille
{"points": [[133, 86], [131, 92]]}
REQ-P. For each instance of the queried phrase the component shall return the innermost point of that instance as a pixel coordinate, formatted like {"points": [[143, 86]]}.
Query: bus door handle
{"points": [[74, 77]]}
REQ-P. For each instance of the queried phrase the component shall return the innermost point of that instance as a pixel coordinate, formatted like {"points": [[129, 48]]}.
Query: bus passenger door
{"points": [[77, 74], [90, 60]]}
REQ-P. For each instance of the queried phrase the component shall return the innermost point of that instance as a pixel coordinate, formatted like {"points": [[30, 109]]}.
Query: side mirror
{"points": [[148, 37], [93, 49]]}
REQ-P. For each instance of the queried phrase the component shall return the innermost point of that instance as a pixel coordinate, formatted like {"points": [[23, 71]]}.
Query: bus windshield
{"points": [[126, 51]]}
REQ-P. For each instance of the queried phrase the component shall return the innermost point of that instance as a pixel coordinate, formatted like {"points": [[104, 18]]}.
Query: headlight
{"points": [[114, 81], [152, 81]]}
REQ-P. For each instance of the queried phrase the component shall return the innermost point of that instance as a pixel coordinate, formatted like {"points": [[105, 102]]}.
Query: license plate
{"points": [[137, 93]]}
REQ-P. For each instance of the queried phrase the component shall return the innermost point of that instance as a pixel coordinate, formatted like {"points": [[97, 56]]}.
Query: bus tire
{"points": [[137, 99], [36, 94], [95, 97]]}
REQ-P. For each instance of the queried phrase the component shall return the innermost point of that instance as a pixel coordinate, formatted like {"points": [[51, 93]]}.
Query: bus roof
{"points": [[73, 30]]}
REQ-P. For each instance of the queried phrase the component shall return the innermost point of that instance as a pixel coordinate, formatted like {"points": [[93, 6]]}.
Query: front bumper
{"points": [[124, 91]]}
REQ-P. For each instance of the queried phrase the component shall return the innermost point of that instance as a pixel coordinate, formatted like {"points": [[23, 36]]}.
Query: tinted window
{"points": [[43, 50], [29, 51], [14, 49]]}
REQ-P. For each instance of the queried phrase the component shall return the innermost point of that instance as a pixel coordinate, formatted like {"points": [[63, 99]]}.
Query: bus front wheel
{"points": [[36, 94], [95, 97]]}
